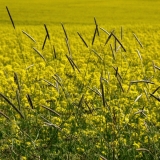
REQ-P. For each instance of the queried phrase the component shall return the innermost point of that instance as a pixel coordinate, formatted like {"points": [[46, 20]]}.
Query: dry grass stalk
{"points": [[82, 40], [96, 26], [117, 73], [39, 54], [140, 112], [81, 101], [58, 77], [153, 66], [44, 42], [157, 67], [138, 81], [115, 45], [138, 98], [109, 37], [157, 98], [16, 80], [104, 31], [156, 90], [142, 81], [146, 94], [50, 83], [118, 76], [118, 41], [10, 17], [29, 36], [95, 90], [68, 47], [18, 98], [97, 54], [102, 90], [143, 149], [10, 103], [29, 66], [103, 158], [47, 31], [139, 55], [4, 115], [94, 35], [72, 63], [113, 55], [54, 51], [64, 31], [57, 80], [138, 40], [120, 84], [90, 110], [51, 110], [52, 125], [29, 101]]}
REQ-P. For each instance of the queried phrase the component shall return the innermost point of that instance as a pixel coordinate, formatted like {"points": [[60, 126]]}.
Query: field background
{"points": [[110, 12]]}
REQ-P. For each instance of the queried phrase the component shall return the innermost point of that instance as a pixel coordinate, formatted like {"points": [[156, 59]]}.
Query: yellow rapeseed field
{"points": [[88, 91]]}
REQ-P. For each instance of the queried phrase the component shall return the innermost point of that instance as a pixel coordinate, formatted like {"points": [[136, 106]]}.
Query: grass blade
{"points": [[47, 31], [96, 91], [82, 40], [50, 83], [51, 110], [16, 80], [81, 101], [142, 81], [156, 90], [18, 99], [103, 158], [68, 47], [70, 62], [119, 42], [64, 31], [54, 50], [102, 90], [4, 115], [94, 36], [104, 31], [110, 35], [117, 73], [158, 99], [39, 54], [138, 40], [10, 17], [113, 55], [138, 98], [139, 55], [29, 101], [96, 26], [10, 103], [29, 36], [97, 54], [44, 42], [157, 67]]}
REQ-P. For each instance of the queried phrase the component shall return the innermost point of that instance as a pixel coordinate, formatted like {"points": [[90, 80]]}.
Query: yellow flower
{"points": [[136, 144], [23, 158]]}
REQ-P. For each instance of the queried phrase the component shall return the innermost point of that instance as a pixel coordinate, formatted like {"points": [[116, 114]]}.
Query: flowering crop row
{"points": [[79, 92]]}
